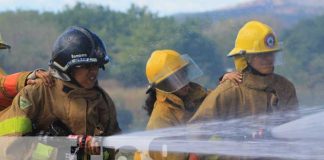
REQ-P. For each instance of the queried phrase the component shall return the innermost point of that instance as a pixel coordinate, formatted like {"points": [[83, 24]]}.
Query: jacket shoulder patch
{"points": [[23, 103]]}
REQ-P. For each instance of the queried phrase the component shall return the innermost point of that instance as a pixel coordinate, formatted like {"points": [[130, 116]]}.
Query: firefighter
{"points": [[262, 91], [172, 96], [11, 84], [76, 100]]}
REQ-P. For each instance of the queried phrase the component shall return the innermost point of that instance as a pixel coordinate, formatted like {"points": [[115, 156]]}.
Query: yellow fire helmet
{"points": [[3, 45], [168, 71], [253, 38]]}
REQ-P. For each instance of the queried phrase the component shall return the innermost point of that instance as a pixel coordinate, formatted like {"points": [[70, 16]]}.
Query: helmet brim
{"points": [[237, 51], [181, 77], [4, 46]]}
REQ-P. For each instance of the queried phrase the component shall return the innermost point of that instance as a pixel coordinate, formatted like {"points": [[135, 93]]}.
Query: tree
{"points": [[203, 51], [304, 56], [31, 42]]}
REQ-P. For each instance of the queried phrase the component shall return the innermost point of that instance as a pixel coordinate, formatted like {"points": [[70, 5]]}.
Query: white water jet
{"points": [[309, 128], [293, 140]]}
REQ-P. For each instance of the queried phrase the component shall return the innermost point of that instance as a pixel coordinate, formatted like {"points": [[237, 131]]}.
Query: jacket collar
{"points": [[164, 97], [258, 82], [196, 92], [73, 90]]}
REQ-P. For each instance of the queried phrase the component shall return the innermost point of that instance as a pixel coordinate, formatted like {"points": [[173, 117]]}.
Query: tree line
{"points": [[131, 36]]}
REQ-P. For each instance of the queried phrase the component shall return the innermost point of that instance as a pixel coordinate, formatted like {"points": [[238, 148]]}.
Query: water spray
{"points": [[265, 136], [238, 137]]}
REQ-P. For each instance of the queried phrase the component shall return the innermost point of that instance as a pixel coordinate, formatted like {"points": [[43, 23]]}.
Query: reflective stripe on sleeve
{"points": [[15, 125]]}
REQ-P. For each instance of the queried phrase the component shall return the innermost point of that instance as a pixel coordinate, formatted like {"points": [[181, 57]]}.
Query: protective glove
{"points": [[88, 144], [261, 134]]}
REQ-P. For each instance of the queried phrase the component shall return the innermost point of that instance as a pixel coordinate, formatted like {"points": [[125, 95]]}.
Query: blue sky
{"points": [[162, 7]]}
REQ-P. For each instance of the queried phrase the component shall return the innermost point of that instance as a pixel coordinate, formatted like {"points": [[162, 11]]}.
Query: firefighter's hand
{"points": [[235, 77], [92, 146], [44, 76], [261, 134]]}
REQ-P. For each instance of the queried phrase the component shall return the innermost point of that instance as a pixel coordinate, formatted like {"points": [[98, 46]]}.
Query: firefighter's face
{"points": [[183, 91], [264, 63], [86, 75]]}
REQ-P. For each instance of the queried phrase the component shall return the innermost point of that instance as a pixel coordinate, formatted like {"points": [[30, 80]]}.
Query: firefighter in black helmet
{"points": [[75, 100], [77, 46]]}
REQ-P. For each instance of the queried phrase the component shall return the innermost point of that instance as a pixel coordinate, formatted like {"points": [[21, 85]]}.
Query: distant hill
{"points": [[287, 12]]}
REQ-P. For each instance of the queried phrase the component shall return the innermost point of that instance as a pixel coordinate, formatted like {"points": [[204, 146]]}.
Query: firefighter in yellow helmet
{"points": [[76, 104], [172, 96], [262, 91], [176, 97], [11, 84]]}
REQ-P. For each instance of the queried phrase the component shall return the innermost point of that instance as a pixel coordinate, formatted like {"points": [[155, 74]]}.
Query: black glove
{"points": [[57, 128]]}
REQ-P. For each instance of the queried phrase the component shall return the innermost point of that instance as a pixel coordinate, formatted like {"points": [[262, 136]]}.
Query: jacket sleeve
{"points": [[292, 102], [161, 117], [112, 127], [217, 103], [17, 118], [10, 85]]}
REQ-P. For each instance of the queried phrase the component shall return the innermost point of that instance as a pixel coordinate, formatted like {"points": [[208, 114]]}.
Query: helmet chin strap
{"points": [[102, 67], [60, 75], [75, 82], [72, 79], [64, 77]]}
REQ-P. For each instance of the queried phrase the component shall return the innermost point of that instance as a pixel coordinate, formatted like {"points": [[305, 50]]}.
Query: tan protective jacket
{"points": [[169, 110], [83, 111], [255, 95]]}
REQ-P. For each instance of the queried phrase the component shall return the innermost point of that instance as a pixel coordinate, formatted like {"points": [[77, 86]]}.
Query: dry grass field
{"points": [[129, 103]]}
